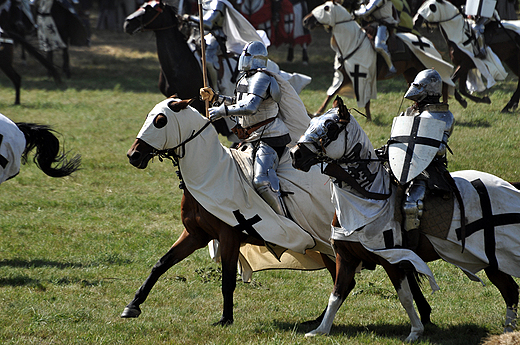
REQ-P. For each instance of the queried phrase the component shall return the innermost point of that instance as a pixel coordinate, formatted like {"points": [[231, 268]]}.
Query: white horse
{"points": [[356, 59], [492, 209]]}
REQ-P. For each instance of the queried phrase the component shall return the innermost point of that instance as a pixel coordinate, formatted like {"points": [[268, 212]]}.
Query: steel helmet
{"points": [[253, 56], [426, 83]]}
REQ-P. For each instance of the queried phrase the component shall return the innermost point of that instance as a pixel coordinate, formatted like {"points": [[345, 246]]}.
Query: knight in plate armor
{"points": [[425, 91], [213, 20], [255, 109], [383, 13], [481, 12]]}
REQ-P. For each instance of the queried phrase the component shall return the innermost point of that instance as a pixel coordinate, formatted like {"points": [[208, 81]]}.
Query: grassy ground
{"points": [[74, 250]]}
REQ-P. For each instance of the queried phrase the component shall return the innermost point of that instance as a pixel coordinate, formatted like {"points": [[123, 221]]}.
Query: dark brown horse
{"points": [[407, 64], [326, 130], [200, 225], [504, 43]]}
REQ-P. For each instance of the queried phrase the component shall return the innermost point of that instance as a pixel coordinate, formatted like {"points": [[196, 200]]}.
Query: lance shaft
{"points": [[203, 55]]}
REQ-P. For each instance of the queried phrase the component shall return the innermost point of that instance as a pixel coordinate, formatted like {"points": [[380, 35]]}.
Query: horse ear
{"points": [[343, 112], [177, 106]]}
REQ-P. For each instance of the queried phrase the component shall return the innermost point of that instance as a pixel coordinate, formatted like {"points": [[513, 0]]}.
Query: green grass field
{"points": [[73, 251]]}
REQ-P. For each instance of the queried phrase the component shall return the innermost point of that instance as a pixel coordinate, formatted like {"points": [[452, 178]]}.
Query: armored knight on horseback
{"points": [[383, 13], [228, 30], [255, 109], [417, 148], [480, 12]]}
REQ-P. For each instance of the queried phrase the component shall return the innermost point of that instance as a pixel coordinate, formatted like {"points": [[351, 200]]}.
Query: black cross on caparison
{"points": [[247, 224], [420, 43], [488, 222], [3, 160], [412, 140], [355, 79]]}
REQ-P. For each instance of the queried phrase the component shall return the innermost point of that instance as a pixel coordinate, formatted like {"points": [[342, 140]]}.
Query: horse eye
{"points": [[433, 8], [160, 121], [326, 8]]}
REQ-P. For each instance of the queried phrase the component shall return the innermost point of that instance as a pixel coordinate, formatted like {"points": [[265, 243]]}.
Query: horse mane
{"points": [[47, 153]]}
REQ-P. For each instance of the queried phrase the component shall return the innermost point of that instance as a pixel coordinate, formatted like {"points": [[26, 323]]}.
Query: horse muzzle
{"points": [[140, 154], [310, 22], [303, 158]]}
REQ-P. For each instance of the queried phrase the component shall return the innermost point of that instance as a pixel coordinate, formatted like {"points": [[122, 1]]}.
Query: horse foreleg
{"points": [[401, 285], [367, 111], [229, 249], [330, 265], [345, 270], [513, 102], [183, 247], [15, 78], [463, 76], [509, 291], [305, 55]]}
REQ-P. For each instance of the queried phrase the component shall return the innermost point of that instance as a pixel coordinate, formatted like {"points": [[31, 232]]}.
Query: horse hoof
{"points": [[223, 322], [131, 312], [314, 333], [486, 100]]}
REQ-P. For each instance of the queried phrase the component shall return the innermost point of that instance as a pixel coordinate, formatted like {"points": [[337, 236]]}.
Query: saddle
{"points": [[437, 212]]}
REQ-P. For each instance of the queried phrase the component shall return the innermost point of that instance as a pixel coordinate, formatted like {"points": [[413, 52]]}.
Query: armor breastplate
{"points": [[261, 85], [214, 14], [439, 112]]}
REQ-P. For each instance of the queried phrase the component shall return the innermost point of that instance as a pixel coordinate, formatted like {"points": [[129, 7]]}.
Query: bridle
{"points": [[158, 9]]}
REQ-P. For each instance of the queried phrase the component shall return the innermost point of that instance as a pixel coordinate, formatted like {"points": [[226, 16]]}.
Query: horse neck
{"points": [[354, 33], [454, 29], [201, 157]]}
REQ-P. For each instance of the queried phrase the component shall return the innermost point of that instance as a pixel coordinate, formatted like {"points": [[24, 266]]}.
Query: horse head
{"points": [[322, 141], [148, 17], [435, 11], [327, 15], [162, 133]]}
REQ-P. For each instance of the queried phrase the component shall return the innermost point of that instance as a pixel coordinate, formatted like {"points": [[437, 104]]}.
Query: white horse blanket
{"points": [[457, 30], [12, 145], [215, 180]]}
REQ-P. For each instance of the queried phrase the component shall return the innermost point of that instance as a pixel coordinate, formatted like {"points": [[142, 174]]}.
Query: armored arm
{"points": [[213, 17], [366, 10]]}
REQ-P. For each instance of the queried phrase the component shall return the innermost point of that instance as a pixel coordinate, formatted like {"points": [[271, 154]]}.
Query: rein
{"points": [[170, 153], [446, 20], [143, 26]]}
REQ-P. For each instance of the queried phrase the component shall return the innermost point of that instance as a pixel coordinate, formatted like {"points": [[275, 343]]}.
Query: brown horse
{"points": [[504, 43], [407, 63], [202, 226], [330, 130]]}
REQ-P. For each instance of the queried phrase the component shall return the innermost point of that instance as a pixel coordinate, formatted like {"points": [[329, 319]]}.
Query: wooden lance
{"points": [[203, 55]]}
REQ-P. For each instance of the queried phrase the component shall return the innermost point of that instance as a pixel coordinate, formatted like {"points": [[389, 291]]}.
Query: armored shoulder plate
{"points": [[263, 85]]}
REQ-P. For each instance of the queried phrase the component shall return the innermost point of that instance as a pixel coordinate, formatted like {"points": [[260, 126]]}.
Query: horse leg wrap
{"points": [[511, 316]]}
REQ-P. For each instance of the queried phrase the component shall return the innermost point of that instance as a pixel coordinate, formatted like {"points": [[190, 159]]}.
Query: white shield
{"points": [[414, 142], [483, 8]]}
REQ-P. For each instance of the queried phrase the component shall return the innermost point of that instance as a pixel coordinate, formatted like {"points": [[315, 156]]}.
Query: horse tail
{"points": [[37, 55], [47, 153]]}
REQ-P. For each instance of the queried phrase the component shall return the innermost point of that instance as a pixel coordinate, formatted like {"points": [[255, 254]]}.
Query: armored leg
{"points": [[265, 180], [382, 48], [413, 209], [212, 65], [479, 48]]}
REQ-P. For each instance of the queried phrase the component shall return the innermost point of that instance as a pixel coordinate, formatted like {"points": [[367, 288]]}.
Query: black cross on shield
{"points": [[355, 79]]}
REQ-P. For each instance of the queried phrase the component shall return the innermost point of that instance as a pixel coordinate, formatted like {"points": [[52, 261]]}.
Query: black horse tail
{"points": [[47, 153], [37, 55]]}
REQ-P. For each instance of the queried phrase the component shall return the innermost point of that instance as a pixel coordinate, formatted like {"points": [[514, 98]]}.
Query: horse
{"points": [[181, 73], [209, 174], [70, 28], [20, 138], [356, 52], [11, 33], [281, 20], [500, 37], [488, 237]]}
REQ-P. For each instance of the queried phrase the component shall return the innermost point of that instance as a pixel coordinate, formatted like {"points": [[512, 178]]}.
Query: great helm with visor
{"points": [[427, 83], [254, 56]]}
